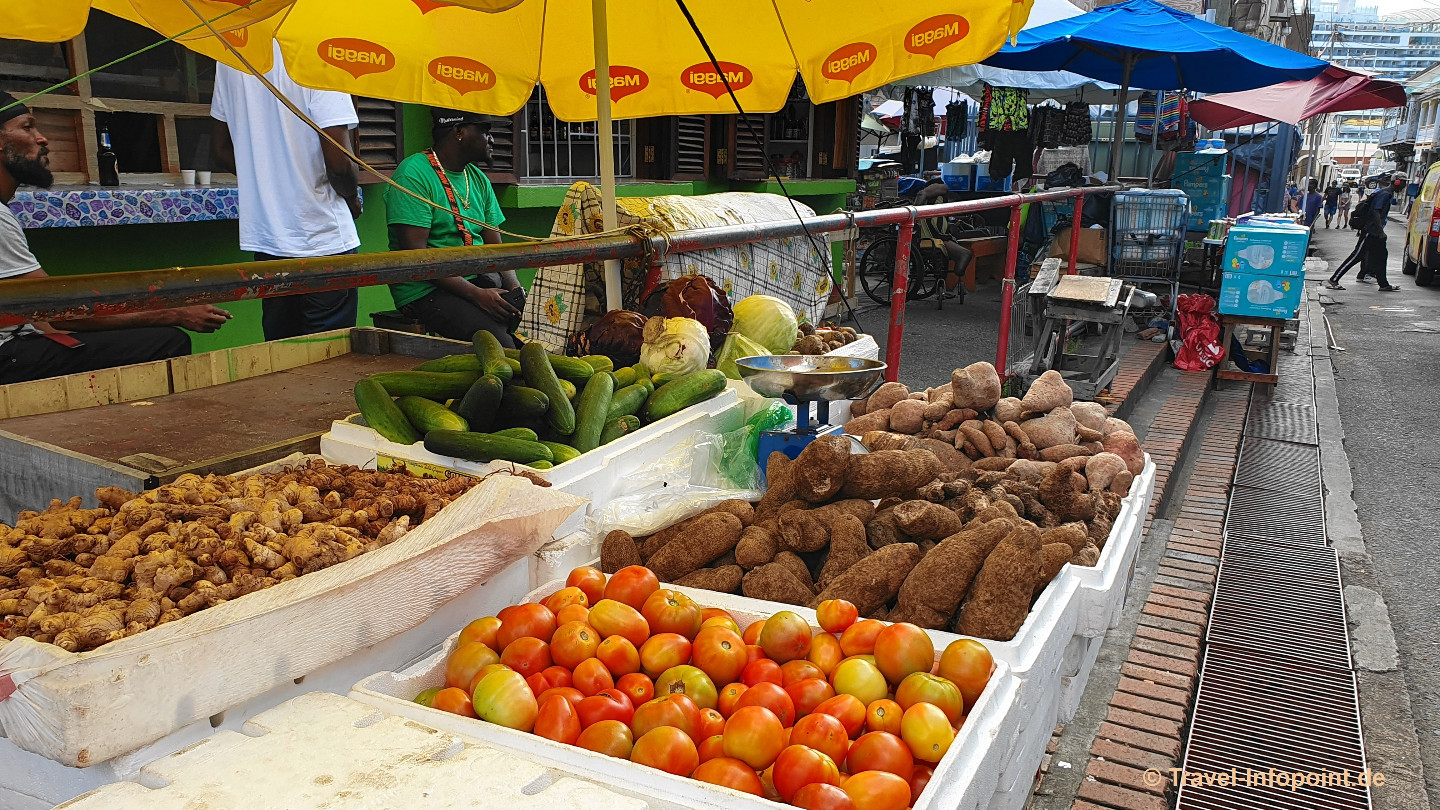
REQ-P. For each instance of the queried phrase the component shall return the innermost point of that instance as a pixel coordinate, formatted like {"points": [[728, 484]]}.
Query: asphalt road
{"points": [[937, 341], [1389, 389]]}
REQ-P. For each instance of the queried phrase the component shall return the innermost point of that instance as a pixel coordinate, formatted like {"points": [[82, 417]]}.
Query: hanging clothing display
{"points": [[1047, 126], [957, 116], [1076, 129], [1145, 116], [1010, 152], [1003, 109]]}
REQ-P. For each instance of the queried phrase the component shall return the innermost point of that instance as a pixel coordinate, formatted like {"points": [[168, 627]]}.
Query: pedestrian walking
{"points": [[1332, 201], [1342, 203], [1310, 204], [1371, 252]]}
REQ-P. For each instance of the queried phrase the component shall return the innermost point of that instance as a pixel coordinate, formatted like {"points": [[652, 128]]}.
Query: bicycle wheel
{"points": [[877, 270], [924, 280]]}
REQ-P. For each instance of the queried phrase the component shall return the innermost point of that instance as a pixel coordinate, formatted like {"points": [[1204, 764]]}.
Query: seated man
{"points": [[34, 351], [937, 229], [447, 175]]}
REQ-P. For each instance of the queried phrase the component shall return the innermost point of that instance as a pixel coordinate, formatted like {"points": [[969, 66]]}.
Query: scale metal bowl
{"points": [[811, 377]]}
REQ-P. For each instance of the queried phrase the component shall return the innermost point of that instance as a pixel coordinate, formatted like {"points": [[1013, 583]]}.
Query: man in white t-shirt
{"points": [[34, 351], [299, 194]]}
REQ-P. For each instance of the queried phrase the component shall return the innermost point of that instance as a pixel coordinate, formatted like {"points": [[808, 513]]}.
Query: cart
{"points": [[1147, 238]]}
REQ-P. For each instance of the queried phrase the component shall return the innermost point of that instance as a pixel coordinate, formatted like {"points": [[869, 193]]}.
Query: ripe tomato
{"points": [[570, 693], [566, 596], [677, 711], [427, 698], [922, 687], [848, 710], [590, 580], [878, 790], [486, 670], [712, 747], [618, 655], [503, 698], [637, 686], [967, 664], [572, 613], [712, 722], [858, 677], [901, 649], [752, 631], [785, 637], [527, 655], [670, 611], [558, 721], [772, 697], [612, 618], [465, 661], [884, 715], [825, 653], [798, 766], [610, 737], [820, 796], [731, 773], [573, 643], [708, 613], [530, 619], [762, 671], [688, 681], [606, 705], [728, 698], [835, 615], [668, 749], [558, 676], [663, 651], [591, 676], [719, 621], [798, 670], [632, 585], [859, 638], [538, 683], [453, 700], [808, 694], [926, 729], [720, 652], [753, 735], [881, 751], [481, 630], [823, 733], [920, 780]]}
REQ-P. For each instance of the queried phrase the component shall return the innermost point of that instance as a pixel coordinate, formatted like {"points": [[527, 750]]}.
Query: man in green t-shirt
{"points": [[459, 306]]}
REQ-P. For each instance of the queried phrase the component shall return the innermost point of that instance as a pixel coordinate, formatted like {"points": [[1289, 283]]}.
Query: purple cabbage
{"points": [[694, 296]]}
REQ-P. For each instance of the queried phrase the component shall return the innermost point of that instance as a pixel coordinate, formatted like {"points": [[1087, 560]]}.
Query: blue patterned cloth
{"points": [[87, 207]]}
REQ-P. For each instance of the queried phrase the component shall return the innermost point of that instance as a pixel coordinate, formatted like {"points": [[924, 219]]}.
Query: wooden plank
{"points": [[92, 388], [248, 361], [79, 57], [35, 472], [37, 396], [4, 403], [288, 354], [169, 145], [189, 372], [144, 380]]}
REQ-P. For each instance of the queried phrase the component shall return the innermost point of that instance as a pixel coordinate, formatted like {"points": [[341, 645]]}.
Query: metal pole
{"points": [[898, 287], [1075, 233], [605, 140], [1120, 117], [1007, 288]]}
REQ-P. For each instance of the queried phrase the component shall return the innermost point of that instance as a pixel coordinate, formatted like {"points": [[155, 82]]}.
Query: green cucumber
{"points": [[680, 394], [626, 401], [599, 362], [427, 415], [451, 363], [569, 368], [590, 412], [661, 379], [382, 414], [491, 355], [436, 385], [623, 377], [481, 403], [518, 433], [570, 390], [616, 428], [642, 377], [562, 452], [521, 403], [514, 367], [539, 465], [539, 374], [485, 447]]}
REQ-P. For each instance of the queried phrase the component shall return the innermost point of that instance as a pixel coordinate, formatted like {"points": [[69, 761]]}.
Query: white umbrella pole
{"points": [[1119, 139], [606, 143]]}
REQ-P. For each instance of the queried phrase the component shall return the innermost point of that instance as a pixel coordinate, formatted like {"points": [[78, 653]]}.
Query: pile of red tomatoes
{"points": [[853, 717]]}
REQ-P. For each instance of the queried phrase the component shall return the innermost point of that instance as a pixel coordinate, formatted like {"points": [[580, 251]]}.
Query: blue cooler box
{"points": [[1249, 294]]}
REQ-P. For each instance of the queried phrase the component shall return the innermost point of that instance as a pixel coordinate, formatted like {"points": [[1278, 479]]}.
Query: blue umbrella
{"points": [[1141, 43]]}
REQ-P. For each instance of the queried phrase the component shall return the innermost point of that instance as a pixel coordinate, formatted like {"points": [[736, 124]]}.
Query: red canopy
{"points": [[1334, 90]]}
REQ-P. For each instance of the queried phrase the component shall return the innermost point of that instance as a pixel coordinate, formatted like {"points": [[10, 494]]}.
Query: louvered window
{"points": [[380, 139], [692, 146]]}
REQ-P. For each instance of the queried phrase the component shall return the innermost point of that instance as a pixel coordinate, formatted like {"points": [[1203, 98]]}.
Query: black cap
{"points": [[10, 107], [442, 118]]}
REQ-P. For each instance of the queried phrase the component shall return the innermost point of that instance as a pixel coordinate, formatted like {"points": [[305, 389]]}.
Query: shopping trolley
{"points": [[1147, 237]]}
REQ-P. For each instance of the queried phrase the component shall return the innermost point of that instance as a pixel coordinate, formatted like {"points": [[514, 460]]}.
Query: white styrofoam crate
{"points": [[1102, 587], [327, 751], [1080, 662], [963, 780], [621, 467]]}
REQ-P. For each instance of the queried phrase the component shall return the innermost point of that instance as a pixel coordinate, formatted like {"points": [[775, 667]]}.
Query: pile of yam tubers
{"points": [[910, 532], [79, 578]]}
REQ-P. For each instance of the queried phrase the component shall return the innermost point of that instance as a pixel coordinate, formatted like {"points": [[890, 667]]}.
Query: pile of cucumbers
{"points": [[527, 405]]}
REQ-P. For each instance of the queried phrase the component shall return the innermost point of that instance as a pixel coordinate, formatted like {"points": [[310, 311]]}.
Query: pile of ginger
{"points": [[79, 578]]}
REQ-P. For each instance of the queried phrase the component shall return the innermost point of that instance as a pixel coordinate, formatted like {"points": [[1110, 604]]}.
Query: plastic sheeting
{"points": [[1199, 333]]}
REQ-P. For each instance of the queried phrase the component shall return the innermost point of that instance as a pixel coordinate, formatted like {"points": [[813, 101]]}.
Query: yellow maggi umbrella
{"points": [[487, 55]]}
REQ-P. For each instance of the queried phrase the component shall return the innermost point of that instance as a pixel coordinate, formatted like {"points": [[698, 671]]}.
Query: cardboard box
{"points": [[1094, 245], [1267, 250], [1260, 296]]}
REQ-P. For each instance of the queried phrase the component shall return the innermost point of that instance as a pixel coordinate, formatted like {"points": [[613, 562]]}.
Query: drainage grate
{"points": [[1285, 421], [1280, 599], [1279, 466], [1254, 712], [1264, 515]]}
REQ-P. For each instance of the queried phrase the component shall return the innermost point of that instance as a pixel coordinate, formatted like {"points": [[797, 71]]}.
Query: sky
{"points": [[1393, 6]]}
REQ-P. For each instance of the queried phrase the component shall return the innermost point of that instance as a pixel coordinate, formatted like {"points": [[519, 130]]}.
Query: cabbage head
{"points": [[768, 321], [674, 346], [735, 347]]}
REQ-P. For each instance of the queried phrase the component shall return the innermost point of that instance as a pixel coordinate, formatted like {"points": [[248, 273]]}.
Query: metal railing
{"points": [[100, 294]]}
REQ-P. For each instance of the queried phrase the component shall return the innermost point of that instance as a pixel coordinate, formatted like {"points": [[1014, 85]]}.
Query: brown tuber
{"points": [[976, 386], [908, 416], [939, 581], [1000, 597], [886, 396], [872, 420], [1048, 392], [706, 538], [889, 472], [848, 545], [924, 520], [773, 582], [758, 545], [725, 579], [873, 581], [819, 471], [618, 550]]}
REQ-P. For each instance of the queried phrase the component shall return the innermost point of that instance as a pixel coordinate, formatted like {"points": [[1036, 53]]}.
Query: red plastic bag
{"points": [[1199, 332]]}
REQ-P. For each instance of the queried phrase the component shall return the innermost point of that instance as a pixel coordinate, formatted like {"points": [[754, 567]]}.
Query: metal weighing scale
{"points": [[1086, 299], [801, 380]]}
